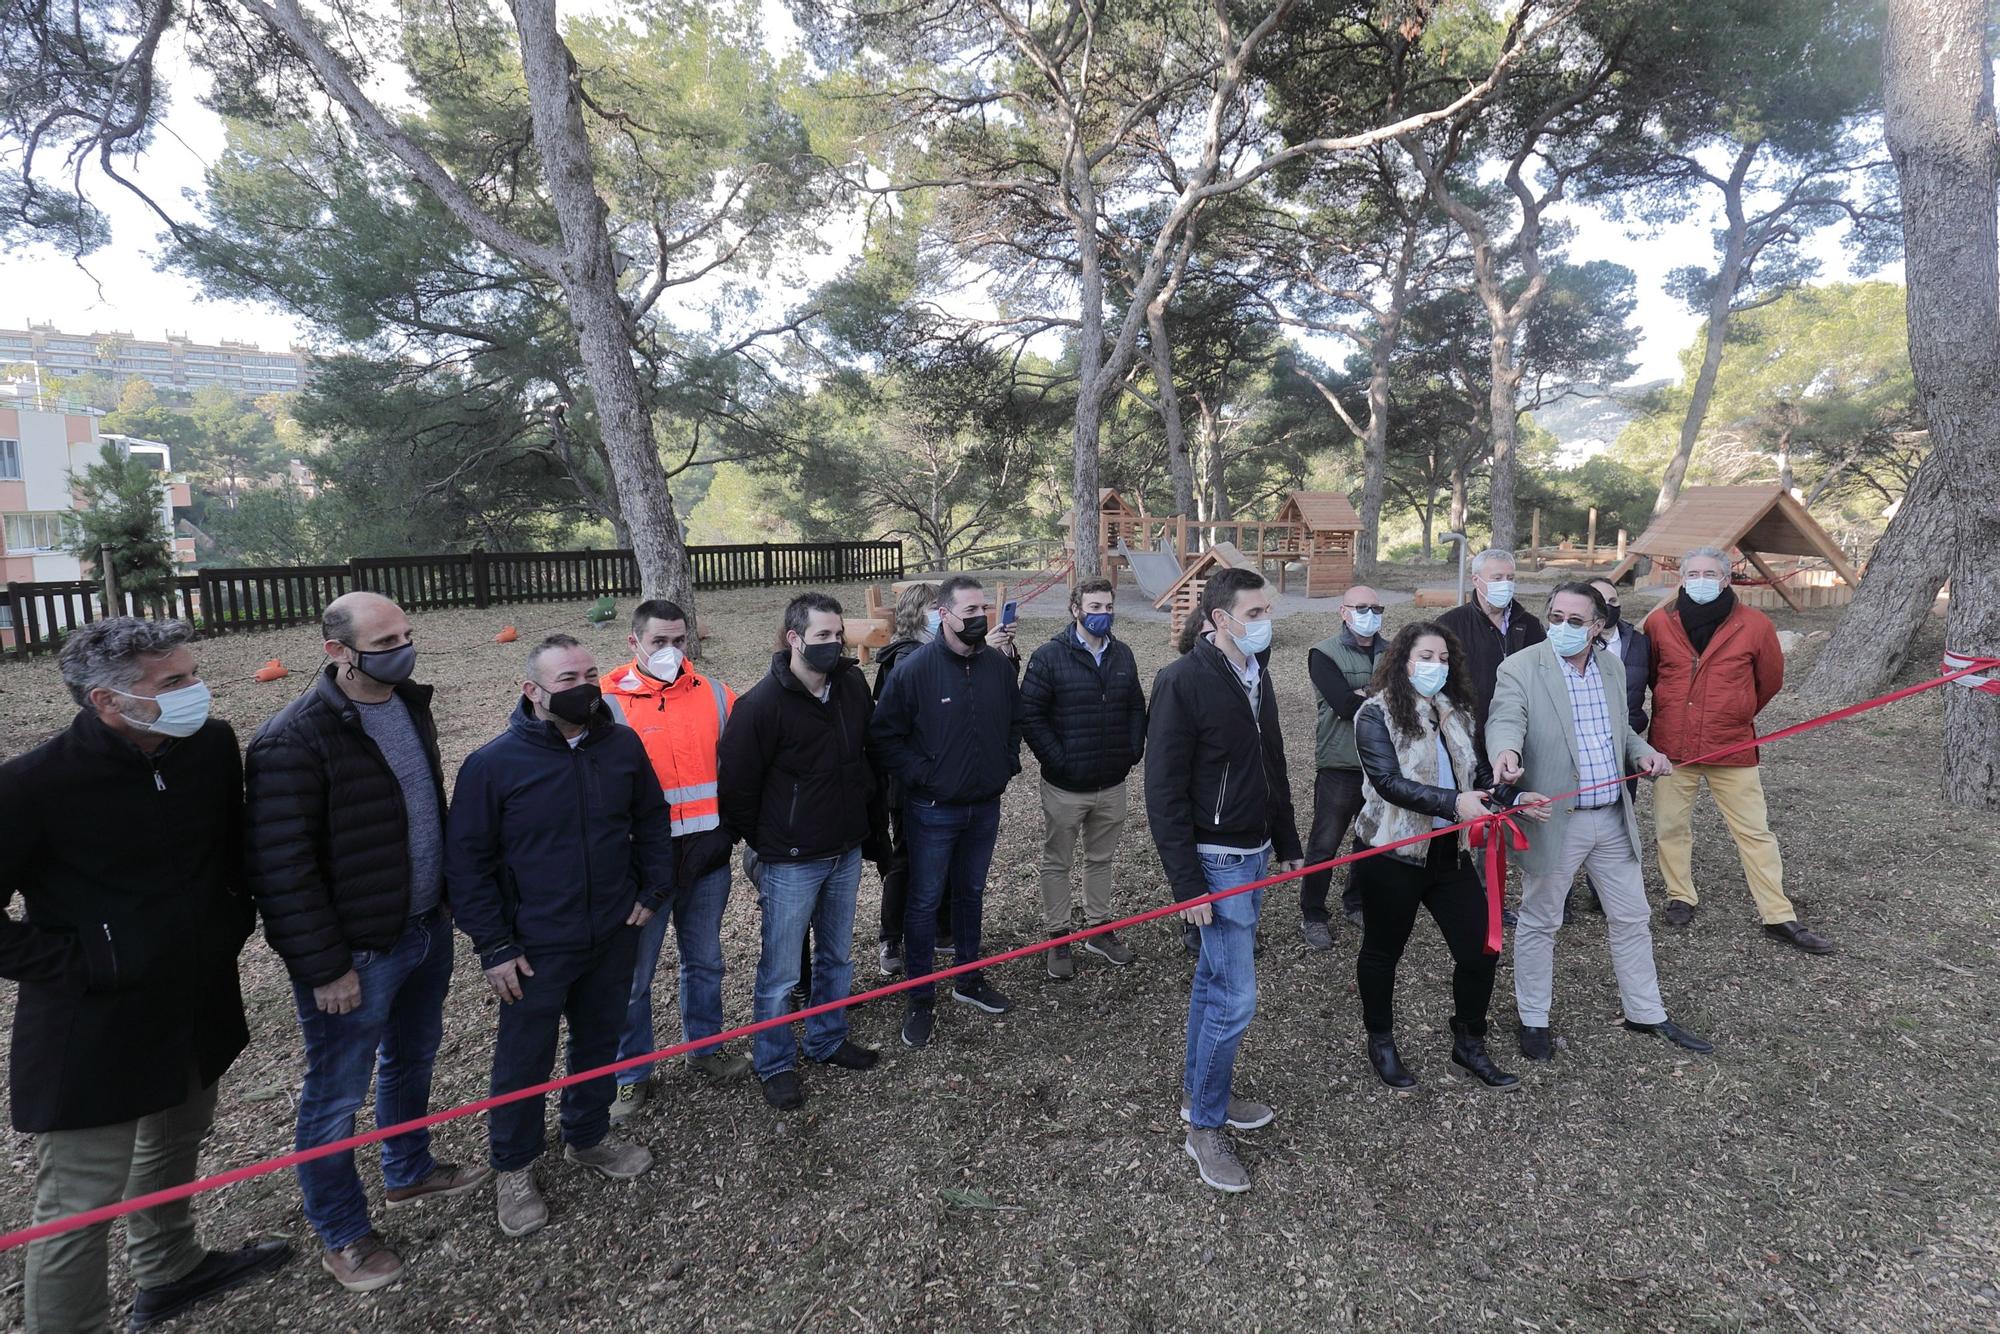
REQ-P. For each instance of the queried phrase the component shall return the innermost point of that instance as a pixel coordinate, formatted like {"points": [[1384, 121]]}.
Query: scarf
{"points": [[1701, 622]]}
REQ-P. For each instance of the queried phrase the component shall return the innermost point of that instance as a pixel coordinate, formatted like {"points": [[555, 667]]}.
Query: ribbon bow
{"points": [[1496, 833]]}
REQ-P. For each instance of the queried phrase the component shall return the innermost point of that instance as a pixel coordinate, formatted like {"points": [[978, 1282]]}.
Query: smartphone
{"points": [[1009, 613]]}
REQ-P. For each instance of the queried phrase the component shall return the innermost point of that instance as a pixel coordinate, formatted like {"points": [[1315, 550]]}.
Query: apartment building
{"points": [[38, 452], [174, 362]]}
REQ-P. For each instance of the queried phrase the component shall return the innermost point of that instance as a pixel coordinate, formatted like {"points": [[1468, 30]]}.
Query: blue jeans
{"points": [[587, 989], [795, 895], [1225, 986], [392, 1038], [951, 848], [697, 919]]}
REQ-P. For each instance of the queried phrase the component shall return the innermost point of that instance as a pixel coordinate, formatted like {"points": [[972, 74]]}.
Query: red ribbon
{"points": [[1487, 832]]}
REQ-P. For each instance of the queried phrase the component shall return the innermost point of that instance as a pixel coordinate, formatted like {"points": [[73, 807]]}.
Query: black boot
{"points": [[1388, 1062], [1468, 1052]]}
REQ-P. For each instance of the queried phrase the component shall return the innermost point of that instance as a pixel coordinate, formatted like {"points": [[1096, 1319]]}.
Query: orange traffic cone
{"points": [[507, 636], [271, 671]]}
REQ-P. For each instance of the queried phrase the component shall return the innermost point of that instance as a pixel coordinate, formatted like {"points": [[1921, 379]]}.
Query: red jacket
{"points": [[1701, 703]]}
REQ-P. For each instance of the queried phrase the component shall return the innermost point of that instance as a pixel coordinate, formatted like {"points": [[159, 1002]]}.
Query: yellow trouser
{"points": [[1739, 795]]}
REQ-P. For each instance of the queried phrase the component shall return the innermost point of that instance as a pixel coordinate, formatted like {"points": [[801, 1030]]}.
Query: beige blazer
{"points": [[1531, 715]]}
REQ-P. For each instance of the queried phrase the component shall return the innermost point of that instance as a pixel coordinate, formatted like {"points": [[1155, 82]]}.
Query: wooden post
{"points": [[1591, 541], [114, 605], [1621, 546], [1535, 538]]}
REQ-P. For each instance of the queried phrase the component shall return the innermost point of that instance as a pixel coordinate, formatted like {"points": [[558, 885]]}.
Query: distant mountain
{"points": [[1585, 423]]}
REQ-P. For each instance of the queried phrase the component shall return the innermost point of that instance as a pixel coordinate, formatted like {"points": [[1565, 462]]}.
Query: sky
{"points": [[122, 288]]}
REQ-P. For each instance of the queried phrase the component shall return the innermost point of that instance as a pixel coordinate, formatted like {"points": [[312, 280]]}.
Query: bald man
{"points": [[1341, 666], [345, 855]]}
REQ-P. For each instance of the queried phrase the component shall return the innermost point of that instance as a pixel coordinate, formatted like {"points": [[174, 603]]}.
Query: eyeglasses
{"points": [[1375, 607], [1575, 622]]}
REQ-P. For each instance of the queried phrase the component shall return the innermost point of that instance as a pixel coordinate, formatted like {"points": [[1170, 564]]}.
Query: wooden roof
{"points": [[1108, 502], [1320, 512], [1224, 554], [1762, 519]]}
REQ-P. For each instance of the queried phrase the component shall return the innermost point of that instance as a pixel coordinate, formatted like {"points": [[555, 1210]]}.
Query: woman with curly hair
{"points": [[1421, 771]]}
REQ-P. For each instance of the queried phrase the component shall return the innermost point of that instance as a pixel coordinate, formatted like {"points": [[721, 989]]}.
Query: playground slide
{"points": [[1155, 572]]}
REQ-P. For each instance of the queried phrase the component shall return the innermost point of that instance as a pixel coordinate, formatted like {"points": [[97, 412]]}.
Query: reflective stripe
{"points": [[677, 795], [721, 704], [694, 824]]}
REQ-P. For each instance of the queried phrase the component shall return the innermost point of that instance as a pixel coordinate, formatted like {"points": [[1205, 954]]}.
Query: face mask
{"points": [[1500, 593], [1703, 591], [1429, 677], [665, 664], [1569, 639], [974, 632], [931, 622], [1366, 623], [822, 658], [182, 712], [1097, 623], [390, 666], [575, 705], [1256, 636], [1611, 617]]}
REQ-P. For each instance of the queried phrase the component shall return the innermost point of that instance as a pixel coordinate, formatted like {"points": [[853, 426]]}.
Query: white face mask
{"points": [[1703, 591], [1500, 593], [1365, 623], [182, 712], [665, 665]]}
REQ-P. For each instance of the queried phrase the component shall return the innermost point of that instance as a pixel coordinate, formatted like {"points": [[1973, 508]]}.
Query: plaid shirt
{"points": [[1596, 750]]}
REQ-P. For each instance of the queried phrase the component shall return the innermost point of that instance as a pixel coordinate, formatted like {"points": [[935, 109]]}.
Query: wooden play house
{"points": [[1758, 521], [1118, 521], [1320, 528], [1183, 597]]}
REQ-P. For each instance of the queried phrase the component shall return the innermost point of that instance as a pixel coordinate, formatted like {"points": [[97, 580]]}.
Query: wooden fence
{"points": [[222, 600]]}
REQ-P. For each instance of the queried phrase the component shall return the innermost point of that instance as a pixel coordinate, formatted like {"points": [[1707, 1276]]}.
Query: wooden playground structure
{"points": [[1758, 522]]}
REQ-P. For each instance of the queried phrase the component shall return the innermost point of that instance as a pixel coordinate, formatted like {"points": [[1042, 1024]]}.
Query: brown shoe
{"points": [[445, 1181], [364, 1266]]}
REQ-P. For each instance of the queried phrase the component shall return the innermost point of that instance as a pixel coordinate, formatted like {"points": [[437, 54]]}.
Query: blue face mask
{"points": [[1429, 677], [1568, 640], [1703, 591], [1097, 623], [182, 712], [1256, 636], [931, 622], [1366, 623]]}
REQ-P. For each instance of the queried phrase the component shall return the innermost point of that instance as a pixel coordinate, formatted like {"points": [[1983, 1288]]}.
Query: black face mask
{"points": [[575, 705], [822, 658], [973, 631], [390, 666], [1611, 610]]}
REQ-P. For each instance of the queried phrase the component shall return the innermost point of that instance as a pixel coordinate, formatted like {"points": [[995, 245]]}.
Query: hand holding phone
{"points": [[1009, 613]]}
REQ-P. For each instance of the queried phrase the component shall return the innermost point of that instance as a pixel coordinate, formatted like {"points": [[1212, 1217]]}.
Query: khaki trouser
{"points": [[1739, 794], [67, 1287], [1099, 818], [1598, 841]]}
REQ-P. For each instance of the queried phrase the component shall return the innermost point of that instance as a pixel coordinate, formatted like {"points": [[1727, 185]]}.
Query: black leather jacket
{"points": [[1385, 772]]}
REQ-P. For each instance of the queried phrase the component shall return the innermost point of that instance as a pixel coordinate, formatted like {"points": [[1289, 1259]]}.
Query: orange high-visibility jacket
{"points": [[680, 724]]}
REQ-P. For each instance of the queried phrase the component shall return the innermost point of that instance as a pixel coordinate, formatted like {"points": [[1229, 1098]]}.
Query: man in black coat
{"points": [[345, 855], [1219, 801], [557, 850], [1084, 715], [1490, 628], [949, 729], [124, 842], [795, 783]]}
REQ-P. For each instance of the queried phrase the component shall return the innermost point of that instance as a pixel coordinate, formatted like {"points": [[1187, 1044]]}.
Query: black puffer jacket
{"points": [[1085, 723], [794, 776], [327, 850]]}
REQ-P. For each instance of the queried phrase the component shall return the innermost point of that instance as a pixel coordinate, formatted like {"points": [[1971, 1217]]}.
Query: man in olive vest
{"points": [[1342, 665]]}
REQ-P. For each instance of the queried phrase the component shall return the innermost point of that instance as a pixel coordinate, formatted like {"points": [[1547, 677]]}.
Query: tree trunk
{"points": [[1090, 367], [589, 278], [1218, 463], [1727, 279], [1504, 434], [1879, 631], [1457, 512], [1161, 351], [1374, 457], [1939, 123]]}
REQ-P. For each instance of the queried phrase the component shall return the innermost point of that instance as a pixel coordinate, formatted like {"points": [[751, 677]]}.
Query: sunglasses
{"points": [[1375, 607], [1576, 622]]}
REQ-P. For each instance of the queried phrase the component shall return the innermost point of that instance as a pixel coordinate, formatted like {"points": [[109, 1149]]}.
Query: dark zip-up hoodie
{"points": [[949, 726], [1215, 773], [794, 777], [548, 846]]}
